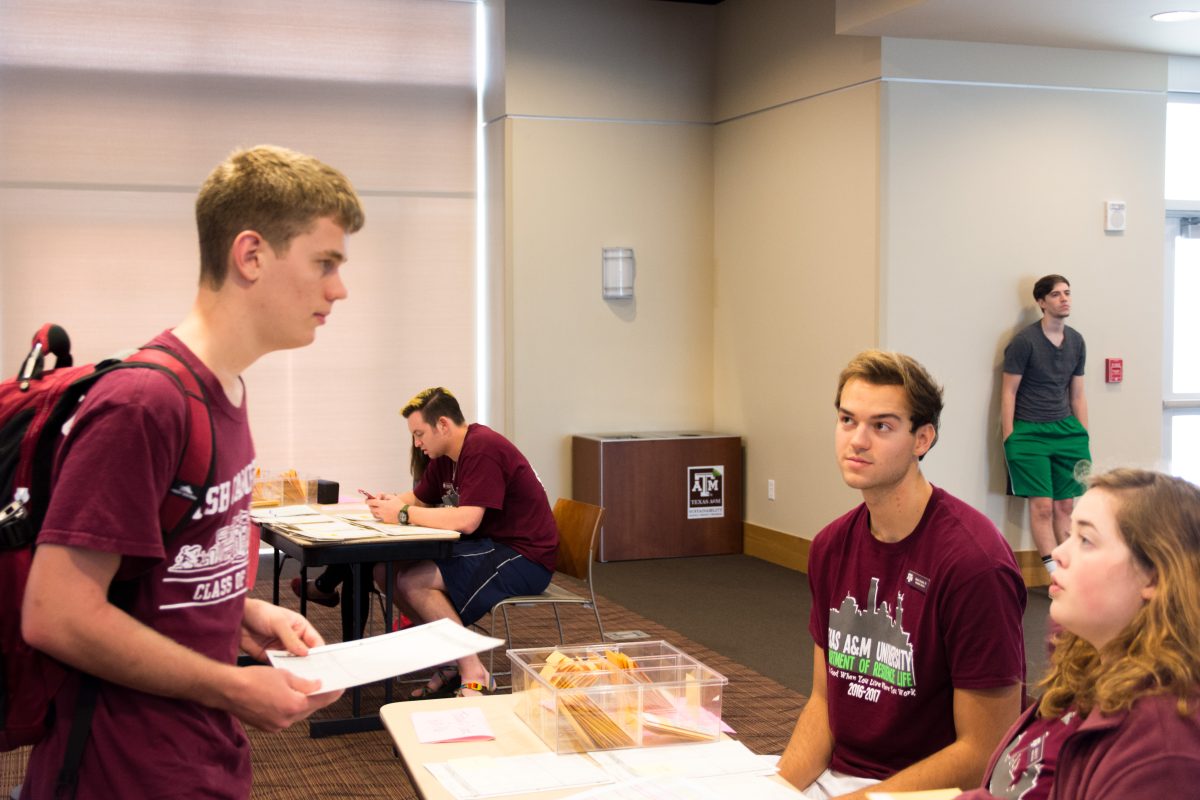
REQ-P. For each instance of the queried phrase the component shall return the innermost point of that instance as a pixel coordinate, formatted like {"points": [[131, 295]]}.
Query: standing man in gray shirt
{"points": [[1044, 417]]}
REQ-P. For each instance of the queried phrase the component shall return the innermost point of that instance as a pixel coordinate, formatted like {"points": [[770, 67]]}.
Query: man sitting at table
{"points": [[918, 655], [479, 484]]}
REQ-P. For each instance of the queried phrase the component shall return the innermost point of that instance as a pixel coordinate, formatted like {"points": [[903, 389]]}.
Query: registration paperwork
{"points": [[632, 774], [336, 524], [376, 658]]}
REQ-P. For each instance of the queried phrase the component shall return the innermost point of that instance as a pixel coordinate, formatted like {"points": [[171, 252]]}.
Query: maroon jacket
{"points": [[1148, 751]]}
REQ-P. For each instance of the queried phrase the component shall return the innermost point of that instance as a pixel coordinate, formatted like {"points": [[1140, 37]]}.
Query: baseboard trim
{"points": [[775, 546], [790, 551], [1030, 564]]}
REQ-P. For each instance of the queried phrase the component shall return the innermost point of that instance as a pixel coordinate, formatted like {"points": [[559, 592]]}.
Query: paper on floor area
{"points": [[353, 663], [485, 776], [456, 725]]}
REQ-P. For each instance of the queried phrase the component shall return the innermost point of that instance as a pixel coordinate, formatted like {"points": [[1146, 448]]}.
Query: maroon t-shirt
{"points": [[113, 468], [491, 473], [1026, 770], [904, 624]]}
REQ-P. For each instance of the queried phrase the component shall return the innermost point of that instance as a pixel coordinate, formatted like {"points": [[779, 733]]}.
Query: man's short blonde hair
{"points": [[882, 368], [276, 192]]}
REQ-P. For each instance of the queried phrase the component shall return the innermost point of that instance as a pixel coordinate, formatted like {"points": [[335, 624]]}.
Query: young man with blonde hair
{"points": [[918, 657], [171, 701]]}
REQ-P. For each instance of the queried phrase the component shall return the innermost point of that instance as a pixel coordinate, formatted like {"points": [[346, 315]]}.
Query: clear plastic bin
{"points": [[267, 490], [611, 696]]}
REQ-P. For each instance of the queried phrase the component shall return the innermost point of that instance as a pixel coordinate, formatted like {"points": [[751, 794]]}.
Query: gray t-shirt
{"points": [[1046, 372]]}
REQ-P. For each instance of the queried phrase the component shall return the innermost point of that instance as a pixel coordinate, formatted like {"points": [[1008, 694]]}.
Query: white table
{"points": [[513, 738]]}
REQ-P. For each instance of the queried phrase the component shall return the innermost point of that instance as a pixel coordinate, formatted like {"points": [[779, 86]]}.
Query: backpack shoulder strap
{"points": [[198, 464]]}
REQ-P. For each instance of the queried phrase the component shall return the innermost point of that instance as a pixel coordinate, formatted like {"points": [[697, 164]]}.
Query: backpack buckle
{"points": [[14, 510]]}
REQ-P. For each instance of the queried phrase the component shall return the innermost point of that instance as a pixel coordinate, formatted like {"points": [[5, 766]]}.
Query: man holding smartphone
{"points": [[477, 483]]}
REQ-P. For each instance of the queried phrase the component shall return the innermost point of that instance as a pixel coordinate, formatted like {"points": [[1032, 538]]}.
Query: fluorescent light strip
{"points": [[1176, 16], [483, 388]]}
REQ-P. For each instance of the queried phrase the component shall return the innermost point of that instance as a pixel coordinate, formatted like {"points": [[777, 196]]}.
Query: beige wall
{"points": [[986, 185], [796, 242], [602, 149], [864, 192]]}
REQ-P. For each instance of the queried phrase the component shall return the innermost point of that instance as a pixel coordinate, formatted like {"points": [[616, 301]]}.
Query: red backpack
{"points": [[33, 408]]}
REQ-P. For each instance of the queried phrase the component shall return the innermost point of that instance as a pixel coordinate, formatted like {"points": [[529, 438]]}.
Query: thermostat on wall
{"points": [[1114, 215]]}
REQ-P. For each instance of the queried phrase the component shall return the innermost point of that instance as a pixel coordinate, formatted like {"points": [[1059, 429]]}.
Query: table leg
{"points": [[278, 567], [389, 584]]}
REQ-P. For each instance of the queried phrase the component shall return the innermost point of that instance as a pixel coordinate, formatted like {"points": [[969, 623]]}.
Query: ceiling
{"points": [[1090, 24]]}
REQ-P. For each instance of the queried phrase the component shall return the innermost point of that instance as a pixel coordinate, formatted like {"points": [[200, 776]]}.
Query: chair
{"points": [[578, 534]]}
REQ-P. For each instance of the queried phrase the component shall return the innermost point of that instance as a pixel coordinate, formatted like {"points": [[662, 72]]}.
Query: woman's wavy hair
{"points": [[1158, 652]]}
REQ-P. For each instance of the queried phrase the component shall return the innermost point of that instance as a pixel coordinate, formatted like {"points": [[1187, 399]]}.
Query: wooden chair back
{"points": [[578, 534]]}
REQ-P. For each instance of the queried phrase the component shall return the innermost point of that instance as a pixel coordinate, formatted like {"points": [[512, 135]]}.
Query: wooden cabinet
{"points": [[664, 494]]}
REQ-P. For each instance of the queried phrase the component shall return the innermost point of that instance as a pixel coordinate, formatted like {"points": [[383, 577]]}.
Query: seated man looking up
{"points": [[479, 484], [916, 614]]}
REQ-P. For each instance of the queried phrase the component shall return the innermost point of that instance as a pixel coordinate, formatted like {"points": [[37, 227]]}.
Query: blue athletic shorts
{"points": [[481, 572]]}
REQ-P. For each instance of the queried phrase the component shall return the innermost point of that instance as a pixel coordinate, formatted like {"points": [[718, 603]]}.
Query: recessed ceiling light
{"points": [[1176, 16]]}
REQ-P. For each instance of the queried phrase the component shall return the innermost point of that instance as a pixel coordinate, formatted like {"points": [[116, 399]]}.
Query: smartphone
{"points": [[366, 494]]}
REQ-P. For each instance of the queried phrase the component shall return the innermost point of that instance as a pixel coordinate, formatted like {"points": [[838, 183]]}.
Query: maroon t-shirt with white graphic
{"points": [[115, 465], [904, 624]]}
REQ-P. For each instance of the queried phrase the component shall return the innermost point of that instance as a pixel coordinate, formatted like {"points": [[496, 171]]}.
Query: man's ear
{"points": [[925, 436], [246, 255]]}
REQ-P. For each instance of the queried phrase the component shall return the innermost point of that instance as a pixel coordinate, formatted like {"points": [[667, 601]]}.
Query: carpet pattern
{"points": [[291, 765]]}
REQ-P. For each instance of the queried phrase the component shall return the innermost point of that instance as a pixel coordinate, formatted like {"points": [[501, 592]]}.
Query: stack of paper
{"points": [[376, 658], [725, 757], [312, 523], [701, 771], [716, 788], [484, 776]]}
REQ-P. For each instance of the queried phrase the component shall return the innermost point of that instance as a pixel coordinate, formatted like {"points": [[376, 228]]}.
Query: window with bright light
{"points": [[1185, 367], [1183, 157], [1181, 386]]}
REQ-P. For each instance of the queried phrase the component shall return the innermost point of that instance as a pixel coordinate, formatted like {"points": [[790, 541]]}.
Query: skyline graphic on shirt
{"points": [[869, 647]]}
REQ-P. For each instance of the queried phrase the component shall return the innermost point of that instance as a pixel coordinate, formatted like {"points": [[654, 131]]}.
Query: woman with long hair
{"points": [[1119, 716]]}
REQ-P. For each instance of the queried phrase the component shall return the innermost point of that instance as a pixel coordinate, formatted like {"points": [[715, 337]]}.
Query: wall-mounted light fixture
{"points": [[617, 268]]}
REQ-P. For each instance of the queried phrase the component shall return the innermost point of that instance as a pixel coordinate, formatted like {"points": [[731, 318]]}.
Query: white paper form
{"points": [[327, 530], [353, 663], [725, 757], [719, 788], [457, 725], [390, 528], [285, 513], [485, 776]]}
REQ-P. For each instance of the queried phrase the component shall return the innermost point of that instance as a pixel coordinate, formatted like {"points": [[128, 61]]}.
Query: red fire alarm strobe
{"points": [[1114, 370]]}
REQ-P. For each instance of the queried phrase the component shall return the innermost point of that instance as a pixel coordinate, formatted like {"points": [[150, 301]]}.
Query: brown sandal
{"points": [[449, 681]]}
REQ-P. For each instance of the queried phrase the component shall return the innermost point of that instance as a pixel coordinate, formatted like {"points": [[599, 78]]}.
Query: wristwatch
{"points": [[402, 518]]}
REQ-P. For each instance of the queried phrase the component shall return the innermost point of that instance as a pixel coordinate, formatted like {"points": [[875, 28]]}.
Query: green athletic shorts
{"points": [[1046, 459]]}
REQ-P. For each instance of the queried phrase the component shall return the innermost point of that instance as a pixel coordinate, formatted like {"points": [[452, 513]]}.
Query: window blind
{"points": [[112, 112]]}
